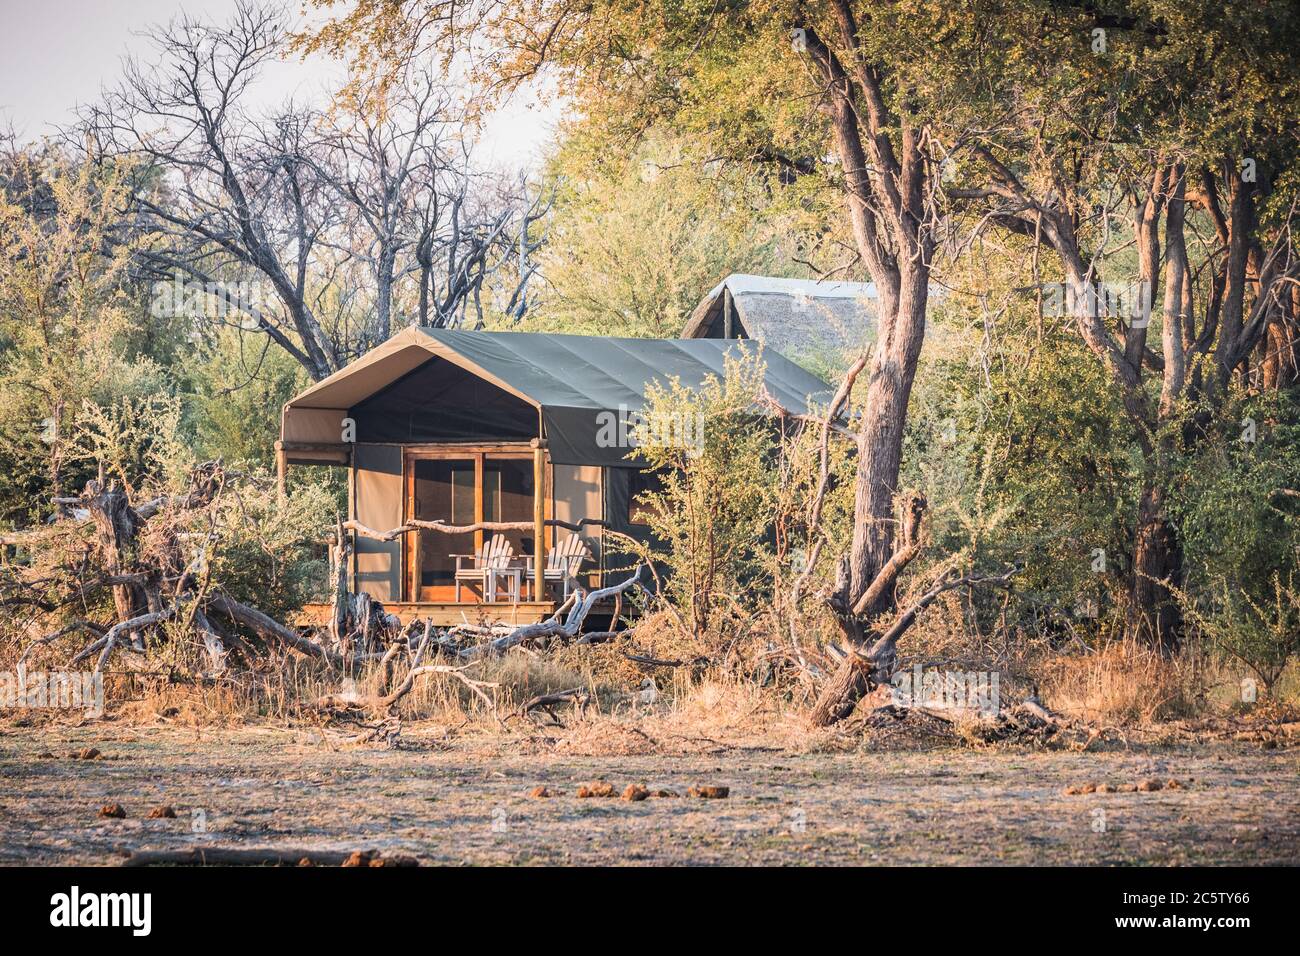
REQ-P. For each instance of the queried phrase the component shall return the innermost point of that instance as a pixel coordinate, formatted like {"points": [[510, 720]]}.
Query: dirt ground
{"points": [[468, 803]]}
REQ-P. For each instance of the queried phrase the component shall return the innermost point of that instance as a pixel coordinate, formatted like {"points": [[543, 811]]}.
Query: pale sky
{"points": [[57, 55]]}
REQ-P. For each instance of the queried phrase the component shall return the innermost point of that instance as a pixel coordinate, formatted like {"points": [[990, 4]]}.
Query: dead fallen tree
{"points": [[861, 672], [558, 625], [149, 567], [565, 625], [270, 629]]}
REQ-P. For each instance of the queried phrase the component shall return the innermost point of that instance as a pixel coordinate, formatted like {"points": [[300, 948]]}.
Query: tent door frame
{"points": [[479, 454]]}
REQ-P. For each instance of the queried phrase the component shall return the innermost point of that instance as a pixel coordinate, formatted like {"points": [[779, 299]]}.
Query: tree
{"points": [[66, 313], [395, 156], [332, 212], [236, 200], [637, 235], [1152, 114]]}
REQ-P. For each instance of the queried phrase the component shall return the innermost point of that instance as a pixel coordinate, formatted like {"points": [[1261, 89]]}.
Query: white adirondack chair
{"points": [[562, 564], [489, 561]]}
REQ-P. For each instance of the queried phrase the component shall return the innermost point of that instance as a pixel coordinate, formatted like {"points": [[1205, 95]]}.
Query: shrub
{"points": [[1239, 518], [730, 524], [710, 521]]}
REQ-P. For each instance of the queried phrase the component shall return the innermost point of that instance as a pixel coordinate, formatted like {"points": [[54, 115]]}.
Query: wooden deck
{"points": [[448, 613]]}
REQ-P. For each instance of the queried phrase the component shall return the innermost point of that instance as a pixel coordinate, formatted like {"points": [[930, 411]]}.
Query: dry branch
{"points": [[71, 628], [267, 628], [110, 637], [657, 662], [578, 695], [859, 672], [385, 701], [553, 626], [392, 534], [906, 553], [475, 686]]}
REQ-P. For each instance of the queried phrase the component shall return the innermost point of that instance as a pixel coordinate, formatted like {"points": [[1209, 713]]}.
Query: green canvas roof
{"points": [[570, 379]]}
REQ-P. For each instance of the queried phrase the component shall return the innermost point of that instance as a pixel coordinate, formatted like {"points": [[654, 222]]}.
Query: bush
{"points": [[1024, 454], [1239, 517], [730, 522], [710, 520]]}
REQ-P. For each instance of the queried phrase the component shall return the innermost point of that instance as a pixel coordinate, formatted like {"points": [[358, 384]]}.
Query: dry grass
{"points": [[742, 697], [518, 676], [1128, 684]]}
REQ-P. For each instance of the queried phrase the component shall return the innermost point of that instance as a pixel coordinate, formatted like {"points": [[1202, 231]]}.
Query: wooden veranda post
{"points": [[539, 519], [281, 468]]}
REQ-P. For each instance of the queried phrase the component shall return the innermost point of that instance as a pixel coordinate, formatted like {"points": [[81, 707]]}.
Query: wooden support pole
{"points": [[281, 467], [539, 519]]}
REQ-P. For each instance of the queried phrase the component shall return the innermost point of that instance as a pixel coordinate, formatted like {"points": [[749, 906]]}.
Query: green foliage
{"points": [[136, 442], [1238, 507], [241, 385], [270, 553], [75, 335], [638, 235], [710, 519], [1258, 625], [730, 523], [265, 551], [1019, 444]]}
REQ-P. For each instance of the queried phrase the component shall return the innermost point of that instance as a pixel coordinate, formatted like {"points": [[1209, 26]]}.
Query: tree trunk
{"points": [[880, 443], [840, 695], [1153, 612], [1241, 225], [874, 667], [880, 452], [1281, 367], [384, 297], [116, 526]]}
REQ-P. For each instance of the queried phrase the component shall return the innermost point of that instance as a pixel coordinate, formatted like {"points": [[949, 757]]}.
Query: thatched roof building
{"points": [[800, 318]]}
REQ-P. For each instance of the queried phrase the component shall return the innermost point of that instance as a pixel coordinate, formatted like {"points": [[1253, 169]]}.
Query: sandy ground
{"points": [[461, 805]]}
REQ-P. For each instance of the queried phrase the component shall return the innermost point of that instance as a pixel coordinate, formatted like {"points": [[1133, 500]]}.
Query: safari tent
{"points": [[514, 436]]}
